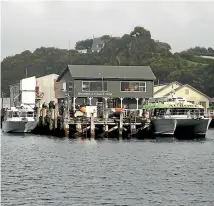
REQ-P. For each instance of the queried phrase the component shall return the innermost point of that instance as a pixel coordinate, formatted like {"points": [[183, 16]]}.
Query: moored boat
{"points": [[178, 118], [19, 120]]}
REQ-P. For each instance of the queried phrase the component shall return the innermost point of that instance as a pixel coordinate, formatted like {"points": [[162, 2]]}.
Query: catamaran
{"points": [[177, 117]]}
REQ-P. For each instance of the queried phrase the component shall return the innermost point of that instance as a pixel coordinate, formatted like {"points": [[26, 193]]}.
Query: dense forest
{"points": [[194, 66]]}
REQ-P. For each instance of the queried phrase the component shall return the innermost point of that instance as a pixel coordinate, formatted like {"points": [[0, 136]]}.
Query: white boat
{"points": [[19, 120], [179, 118]]}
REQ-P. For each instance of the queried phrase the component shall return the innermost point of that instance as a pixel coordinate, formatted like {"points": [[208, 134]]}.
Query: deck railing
{"points": [[190, 114]]}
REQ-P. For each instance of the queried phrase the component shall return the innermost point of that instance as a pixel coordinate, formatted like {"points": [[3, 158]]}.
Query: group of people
{"points": [[62, 107], [51, 105]]}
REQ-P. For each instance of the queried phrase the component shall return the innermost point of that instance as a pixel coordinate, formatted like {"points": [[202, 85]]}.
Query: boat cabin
{"points": [[176, 107], [15, 113]]}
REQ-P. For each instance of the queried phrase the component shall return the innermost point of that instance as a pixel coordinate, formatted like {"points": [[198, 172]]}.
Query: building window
{"points": [[187, 91], [203, 104], [192, 102], [100, 45], [68, 86], [94, 86], [128, 86]]}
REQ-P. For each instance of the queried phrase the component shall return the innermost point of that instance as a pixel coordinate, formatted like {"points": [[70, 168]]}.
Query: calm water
{"points": [[39, 170]]}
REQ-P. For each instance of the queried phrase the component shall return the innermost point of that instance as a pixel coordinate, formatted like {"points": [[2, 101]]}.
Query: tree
{"points": [[136, 48]]}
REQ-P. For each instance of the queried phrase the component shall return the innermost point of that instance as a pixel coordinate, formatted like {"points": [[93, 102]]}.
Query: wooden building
{"points": [[116, 86]]}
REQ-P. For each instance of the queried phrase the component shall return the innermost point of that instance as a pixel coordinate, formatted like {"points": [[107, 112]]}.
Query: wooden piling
{"points": [[106, 127], [44, 114], [79, 128], [66, 128], [52, 117], [56, 114], [121, 125], [92, 129], [106, 121]]}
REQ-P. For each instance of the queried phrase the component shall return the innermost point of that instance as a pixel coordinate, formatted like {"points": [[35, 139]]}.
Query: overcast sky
{"points": [[28, 25]]}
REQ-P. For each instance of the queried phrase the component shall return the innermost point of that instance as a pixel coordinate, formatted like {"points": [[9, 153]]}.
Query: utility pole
{"points": [[69, 53], [26, 72]]}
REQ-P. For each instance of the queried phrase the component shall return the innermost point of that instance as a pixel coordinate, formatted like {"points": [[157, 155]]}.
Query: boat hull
{"points": [[163, 127], [192, 128], [180, 128], [18, 126]]}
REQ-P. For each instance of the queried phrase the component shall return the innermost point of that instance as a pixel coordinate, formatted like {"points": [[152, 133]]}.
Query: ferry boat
{"points": [[177, 117], [19, 120]]}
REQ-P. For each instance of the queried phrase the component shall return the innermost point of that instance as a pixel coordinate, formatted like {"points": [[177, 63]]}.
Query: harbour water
{"points": [[42, 170]]}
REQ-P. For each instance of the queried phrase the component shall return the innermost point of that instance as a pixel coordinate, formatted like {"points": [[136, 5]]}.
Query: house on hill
{"points": [[116, 86], [182, 90], [97, 44]]}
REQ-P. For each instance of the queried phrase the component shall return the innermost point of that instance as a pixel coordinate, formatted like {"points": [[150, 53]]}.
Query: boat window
{"points": [[10, 114], [162, 111], [30, 114], [156, 112], [182, 111], [197, 112], [23, 114], [201, 112], [15, 114]]}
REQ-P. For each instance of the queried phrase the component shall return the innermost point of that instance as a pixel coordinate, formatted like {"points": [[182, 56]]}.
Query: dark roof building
{"points": [[101, 81], [109, 72]]}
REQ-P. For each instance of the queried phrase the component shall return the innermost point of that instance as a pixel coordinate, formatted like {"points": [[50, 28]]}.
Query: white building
{"points": [[33, 91], [45, 88], [83, 51], [27, 91]]}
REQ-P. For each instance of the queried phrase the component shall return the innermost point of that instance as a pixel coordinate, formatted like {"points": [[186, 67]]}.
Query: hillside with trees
{"points": [[135, 48]]}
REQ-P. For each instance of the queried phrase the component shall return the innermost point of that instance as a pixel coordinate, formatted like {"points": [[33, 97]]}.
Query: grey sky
{"points": [[30, 25]]}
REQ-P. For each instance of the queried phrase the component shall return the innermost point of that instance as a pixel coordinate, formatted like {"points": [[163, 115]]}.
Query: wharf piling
{"points": [[123, 125], [92, 126]]}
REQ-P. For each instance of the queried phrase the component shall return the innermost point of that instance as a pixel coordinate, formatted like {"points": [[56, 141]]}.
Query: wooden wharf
{"points": [[123, 126]]}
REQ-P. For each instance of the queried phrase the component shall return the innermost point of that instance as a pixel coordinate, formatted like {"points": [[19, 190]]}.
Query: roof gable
{"points": [[167, 85], [111, 72], [54, 75], [62, 74], [187, 85]]}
